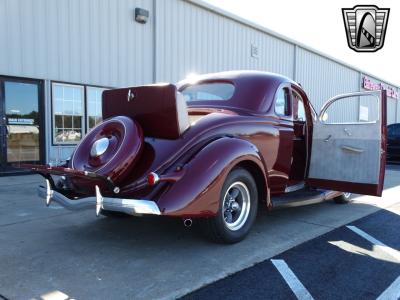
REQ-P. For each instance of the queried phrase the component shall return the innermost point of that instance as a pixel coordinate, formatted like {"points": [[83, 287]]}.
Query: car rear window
{"points": [[208, 91]]}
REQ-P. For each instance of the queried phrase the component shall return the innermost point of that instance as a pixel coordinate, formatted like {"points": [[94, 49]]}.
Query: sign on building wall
{"points": [[368, 84]]}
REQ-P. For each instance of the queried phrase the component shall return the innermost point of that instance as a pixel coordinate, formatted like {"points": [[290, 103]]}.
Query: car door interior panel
{"points": [[344, 157], [350, 156]]}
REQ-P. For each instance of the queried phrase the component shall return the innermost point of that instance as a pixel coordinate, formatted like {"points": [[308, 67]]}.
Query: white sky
{"points": [[319, 24]]}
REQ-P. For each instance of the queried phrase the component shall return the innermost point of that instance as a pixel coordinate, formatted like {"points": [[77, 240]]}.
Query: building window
{"points": [[69, 103], [67, 113], [93, 100]]}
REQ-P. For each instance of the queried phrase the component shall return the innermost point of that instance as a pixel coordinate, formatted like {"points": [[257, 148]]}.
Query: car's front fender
{"points": [[197, 192]]}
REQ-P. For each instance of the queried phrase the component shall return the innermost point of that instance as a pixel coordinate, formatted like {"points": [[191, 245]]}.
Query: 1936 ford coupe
{"points": [[215, 148]]}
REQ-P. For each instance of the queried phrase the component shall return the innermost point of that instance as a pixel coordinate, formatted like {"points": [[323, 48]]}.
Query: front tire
{"points": [[113, 214], [237, 209]]}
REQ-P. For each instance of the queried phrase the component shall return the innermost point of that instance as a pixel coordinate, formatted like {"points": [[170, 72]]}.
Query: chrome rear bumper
{"points": [[128, 206]]}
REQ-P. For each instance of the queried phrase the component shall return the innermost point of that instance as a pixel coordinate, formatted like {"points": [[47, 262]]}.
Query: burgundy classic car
{"points": [[215, 149]]}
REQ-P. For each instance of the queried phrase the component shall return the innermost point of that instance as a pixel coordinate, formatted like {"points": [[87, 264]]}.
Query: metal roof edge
{"points": [[282, 37]]}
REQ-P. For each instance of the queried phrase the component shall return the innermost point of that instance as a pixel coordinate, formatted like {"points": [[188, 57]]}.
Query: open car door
{"points": [[348, 155]]}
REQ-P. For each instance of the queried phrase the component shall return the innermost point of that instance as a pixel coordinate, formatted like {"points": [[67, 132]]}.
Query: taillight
{"points": [[152, 178]]}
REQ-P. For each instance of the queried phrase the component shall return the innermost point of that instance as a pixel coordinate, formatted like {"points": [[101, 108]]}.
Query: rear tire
{"points": [[343, 199], [237, 209], [113, 214]]}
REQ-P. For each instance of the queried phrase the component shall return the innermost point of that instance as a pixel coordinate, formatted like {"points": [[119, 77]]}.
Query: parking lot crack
{"points": [[316, 224]]}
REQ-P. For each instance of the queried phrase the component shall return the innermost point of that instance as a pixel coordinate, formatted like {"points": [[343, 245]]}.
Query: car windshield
{"points": [[208, 91]]}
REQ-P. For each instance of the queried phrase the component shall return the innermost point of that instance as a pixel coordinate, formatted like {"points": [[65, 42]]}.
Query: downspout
{"points": [[154, 41]]}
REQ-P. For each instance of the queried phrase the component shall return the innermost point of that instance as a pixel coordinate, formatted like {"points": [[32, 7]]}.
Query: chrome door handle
{"points": [[347, 131], [352, 149], [328, 138]]}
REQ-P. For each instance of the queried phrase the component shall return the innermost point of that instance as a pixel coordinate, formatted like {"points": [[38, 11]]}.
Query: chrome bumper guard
{"points": [[128, 206]]}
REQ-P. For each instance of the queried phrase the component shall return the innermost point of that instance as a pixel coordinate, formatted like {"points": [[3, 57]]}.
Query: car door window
{"points": [[299, 113], [282, 102]]}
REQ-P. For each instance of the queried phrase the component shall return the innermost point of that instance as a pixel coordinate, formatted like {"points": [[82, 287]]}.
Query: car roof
{"points": [[254, 90]]}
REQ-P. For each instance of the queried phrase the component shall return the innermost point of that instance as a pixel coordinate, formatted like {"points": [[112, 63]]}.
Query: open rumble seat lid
{"points": [[160, 109]]}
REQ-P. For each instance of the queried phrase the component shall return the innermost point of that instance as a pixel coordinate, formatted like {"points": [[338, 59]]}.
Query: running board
{"points": [[304, 197], [294, 188]]}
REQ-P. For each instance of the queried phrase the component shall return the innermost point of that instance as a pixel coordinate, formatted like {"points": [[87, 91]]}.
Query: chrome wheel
{"points": [[237, 212], [236, 206]]}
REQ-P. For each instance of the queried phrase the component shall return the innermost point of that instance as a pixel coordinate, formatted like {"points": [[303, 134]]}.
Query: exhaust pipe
{"points": [[187, 222]]}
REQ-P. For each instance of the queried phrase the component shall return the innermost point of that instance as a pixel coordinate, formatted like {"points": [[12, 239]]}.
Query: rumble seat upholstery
{"points": [[160, 109]]}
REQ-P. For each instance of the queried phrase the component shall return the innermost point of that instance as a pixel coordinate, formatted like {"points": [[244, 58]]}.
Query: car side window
{"points": [[299, 112], [282, 102]]}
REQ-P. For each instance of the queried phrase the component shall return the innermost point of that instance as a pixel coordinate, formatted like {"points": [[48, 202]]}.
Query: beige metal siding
{"points": [[192, 39], [323, 78], [90, 41], [391, 111], [98, 42], [398, 110]]}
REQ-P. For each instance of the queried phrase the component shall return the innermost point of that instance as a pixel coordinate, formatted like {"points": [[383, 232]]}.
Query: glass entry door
{"points": [[20, 133]]}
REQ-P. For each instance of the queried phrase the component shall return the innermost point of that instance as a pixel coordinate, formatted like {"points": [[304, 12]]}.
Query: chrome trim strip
{"points": [[350, 123], [295, 187], [323, 196], [354, 94], [128, 206], [352, 149]]}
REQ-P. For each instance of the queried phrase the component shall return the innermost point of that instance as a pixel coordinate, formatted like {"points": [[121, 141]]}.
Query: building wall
{"points": [[393, 112], [89, 41], [398, 111], [98, 42], [93, 42], [191, 39], [323, 78]]}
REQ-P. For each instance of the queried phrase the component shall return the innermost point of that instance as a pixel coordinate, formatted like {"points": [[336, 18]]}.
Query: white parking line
{"points": [[392, 292], [392, 252], [293, 282]]}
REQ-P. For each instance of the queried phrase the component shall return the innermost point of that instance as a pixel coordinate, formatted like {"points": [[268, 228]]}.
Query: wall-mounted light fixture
{"points": [[141, 15]]}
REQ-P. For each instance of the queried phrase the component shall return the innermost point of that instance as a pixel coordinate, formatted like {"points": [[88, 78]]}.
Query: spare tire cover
{"points": [[110, 149]]}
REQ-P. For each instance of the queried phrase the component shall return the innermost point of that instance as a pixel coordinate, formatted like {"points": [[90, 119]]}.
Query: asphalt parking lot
{"points": [[340, 264], [48, 251]]}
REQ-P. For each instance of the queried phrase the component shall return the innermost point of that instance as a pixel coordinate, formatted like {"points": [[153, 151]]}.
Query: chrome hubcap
{"points": [[99, 147], [236, 206]]}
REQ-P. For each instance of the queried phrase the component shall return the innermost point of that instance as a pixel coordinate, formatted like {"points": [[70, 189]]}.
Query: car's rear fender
{"points": [[197, 192]]}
